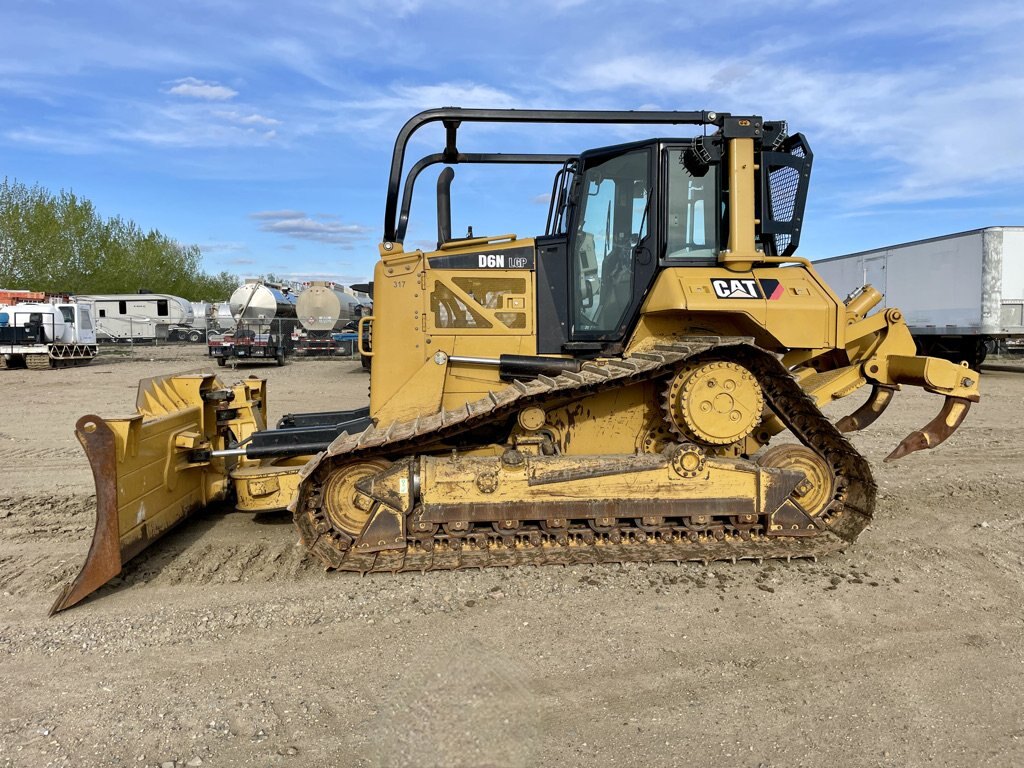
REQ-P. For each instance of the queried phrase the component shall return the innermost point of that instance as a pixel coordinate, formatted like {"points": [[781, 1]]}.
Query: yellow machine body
{"points": [[481, 446]]}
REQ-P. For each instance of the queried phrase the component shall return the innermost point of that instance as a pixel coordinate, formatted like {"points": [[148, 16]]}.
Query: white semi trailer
{"points": [[961, 294], [37, 335]]}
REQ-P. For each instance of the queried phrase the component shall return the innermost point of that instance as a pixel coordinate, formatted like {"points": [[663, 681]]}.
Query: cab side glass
{"points": [[692, 224]]}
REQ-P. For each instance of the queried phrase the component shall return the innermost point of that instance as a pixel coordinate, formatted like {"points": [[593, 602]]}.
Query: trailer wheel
{"points": [[195, 337], [974, 351], [222, 361], [280, 358]]}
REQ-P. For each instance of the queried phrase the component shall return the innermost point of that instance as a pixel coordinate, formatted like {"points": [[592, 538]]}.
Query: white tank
{"points": [[257, 301], [50, 318], [221, 316], [321, 307]]}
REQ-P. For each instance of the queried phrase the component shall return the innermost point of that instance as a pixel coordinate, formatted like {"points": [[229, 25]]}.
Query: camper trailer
{"points": [[124, 317]]}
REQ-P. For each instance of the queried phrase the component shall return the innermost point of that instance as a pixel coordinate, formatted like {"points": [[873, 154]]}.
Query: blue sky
{"points": [[262, 132]]}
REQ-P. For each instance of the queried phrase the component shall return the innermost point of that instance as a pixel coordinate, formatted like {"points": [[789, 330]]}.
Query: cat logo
{"points": [[736, 288]]}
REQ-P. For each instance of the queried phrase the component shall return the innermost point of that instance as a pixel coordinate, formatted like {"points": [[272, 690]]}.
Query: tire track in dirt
{"points": [[43, 536], [47, 538], [223, 549], [48, 515]]}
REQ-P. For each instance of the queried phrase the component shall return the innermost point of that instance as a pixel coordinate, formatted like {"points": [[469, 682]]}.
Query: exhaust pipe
{"points": [[444, 206]]}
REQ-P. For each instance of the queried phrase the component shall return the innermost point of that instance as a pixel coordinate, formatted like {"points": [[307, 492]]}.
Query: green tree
{"points": [[60, 244]]}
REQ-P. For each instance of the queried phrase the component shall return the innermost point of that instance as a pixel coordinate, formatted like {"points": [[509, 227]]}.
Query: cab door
{"points": [[611, 247], [84, 331]]}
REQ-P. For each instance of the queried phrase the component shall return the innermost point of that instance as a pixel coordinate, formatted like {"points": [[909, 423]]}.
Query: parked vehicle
{"points": [[264, 315], [124, 317], [252, 341], [37, 335], [325, 312], [196, 331], [961, 294], [259, 300]]}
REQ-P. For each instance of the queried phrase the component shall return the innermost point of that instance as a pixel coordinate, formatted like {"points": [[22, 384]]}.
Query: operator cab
{"points": [[620, 214], [622, 197], [626, 211]]}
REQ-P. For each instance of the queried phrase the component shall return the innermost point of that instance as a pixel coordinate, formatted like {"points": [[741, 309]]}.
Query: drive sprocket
{"points": [[714, 403]]}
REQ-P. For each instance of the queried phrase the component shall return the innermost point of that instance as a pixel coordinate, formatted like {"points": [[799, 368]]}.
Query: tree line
{"points": [[58, 243]]}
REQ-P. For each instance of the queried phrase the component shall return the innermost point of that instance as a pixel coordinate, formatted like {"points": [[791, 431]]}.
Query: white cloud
{"points": [[301, 58], [201, 89], [283, 214], [195, 124], [321, 228], [222, 246], [64, 142], [253, 119], [912, 124]]}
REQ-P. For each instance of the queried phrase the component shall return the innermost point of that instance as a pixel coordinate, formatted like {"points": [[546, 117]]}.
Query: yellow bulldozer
{"points": [[608, 391]]}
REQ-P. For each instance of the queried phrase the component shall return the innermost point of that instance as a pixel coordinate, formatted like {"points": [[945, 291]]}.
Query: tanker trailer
{"points": [[326, 315], [264, 316]]}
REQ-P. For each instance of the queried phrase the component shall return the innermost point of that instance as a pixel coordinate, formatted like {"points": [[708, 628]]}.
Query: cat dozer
{"points": [[609, 391]]}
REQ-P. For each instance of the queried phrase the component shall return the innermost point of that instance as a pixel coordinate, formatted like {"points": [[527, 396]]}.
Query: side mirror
{"points": [[588, 293]]}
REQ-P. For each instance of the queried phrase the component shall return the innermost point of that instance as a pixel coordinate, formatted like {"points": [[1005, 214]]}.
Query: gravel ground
{"points": [[223, 645]]}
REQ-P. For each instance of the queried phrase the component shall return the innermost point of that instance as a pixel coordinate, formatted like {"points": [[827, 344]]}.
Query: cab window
{"points": [[692, 216], [613, 211]]}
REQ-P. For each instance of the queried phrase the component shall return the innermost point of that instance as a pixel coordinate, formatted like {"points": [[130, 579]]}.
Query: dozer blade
{"points": [[104, 559], [954, 411], [152, 469], [879, 399]]}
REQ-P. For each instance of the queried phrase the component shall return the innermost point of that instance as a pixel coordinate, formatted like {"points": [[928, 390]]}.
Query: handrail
{"points": [[453, 117], [359, 335]]}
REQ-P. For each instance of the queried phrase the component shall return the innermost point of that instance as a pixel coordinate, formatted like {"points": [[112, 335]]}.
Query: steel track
{"points": [[720, 539]]}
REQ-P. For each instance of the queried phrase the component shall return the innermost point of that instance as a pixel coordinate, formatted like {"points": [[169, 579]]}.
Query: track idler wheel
{"points": [[333, 515], [346, 508], [814, 494], [801, 512]]}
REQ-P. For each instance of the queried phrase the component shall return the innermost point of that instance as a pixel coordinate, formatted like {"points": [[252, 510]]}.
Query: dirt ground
{"points": [[223, 645]]}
